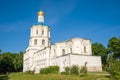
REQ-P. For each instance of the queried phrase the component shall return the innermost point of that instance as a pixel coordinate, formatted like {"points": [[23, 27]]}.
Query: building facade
{"points": [[41, 53]]}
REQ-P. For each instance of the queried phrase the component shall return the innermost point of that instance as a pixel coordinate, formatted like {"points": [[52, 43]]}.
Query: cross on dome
{"points": [[41, 13]]}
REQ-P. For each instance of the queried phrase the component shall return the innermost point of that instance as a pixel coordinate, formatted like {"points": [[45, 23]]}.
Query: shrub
{"points": [[67, 70], [44, 71], [83, 70], [114, 68], [29, 72], [63, 72], [54, 69], [74, 70], [50, 69]]}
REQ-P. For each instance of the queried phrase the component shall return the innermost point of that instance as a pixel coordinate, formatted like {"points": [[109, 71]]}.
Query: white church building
{"points": [[41, 53]]}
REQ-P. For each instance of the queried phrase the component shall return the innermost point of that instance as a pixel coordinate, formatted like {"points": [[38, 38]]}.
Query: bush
{"points": [[114, 68], [44, 71], [63, 72], [74, 70], [83, 70], [54, 69], [50, 69], [29, 72], [67, 70]]}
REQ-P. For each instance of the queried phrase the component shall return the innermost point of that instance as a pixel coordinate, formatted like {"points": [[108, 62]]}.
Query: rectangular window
{"points": [[42, 32]]}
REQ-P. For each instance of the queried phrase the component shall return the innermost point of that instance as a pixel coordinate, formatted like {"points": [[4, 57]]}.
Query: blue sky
{"points": [[97, 20]]}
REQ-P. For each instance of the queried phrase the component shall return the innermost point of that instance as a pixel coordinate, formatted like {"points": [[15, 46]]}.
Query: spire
{"points": [[40, 8]]}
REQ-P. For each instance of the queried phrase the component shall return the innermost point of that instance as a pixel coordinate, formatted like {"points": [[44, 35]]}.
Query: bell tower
{"points": [[40, 33], [39, 39]]}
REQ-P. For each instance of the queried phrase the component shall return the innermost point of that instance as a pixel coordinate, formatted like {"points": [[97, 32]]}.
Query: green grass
{"points": [[3, 77], [24, 76]]}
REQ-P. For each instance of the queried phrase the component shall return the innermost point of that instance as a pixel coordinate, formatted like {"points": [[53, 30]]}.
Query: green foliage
{"points": [[0, 50], [50, 69], [99, 50], [63, 72], [67, 70], [74, 70], [18, 62], [29, 72], [6, 63], [83, 70], [44, 71], [114, 68], [3, 77], [114, 46], [54, 69], [22, 76], [10, 62]]}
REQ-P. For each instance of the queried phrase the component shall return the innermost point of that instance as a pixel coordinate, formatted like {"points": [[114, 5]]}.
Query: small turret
{"points": [[41, 16]]}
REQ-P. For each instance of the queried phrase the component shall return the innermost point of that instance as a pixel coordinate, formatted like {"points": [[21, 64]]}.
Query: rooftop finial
{"points": [[41, 13], [40, 8]]}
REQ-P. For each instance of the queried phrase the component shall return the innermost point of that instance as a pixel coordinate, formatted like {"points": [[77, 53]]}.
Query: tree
{"points": [[114, 67], [67, 70], [11, 62], [83, 70], [6, 63], [74, 70], [0, 50], [114, 46], [18, 62], [99, 50]]}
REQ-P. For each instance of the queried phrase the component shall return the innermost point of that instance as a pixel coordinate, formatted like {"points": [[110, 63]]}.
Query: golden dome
{"points": [[40, 13]]}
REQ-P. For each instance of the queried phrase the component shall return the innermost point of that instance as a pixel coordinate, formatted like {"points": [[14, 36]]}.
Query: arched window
{"points": [[43, 42], [35, 42], [84, 49], [63, 51], [54, 53], [36, 32], [42, 32]]}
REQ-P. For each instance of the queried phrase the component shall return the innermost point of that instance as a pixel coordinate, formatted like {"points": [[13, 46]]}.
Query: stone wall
{"points": [[93, 62]]}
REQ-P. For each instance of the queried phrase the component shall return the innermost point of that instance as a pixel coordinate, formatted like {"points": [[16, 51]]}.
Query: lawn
{"points": [[3, 77], [24, 76]]}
